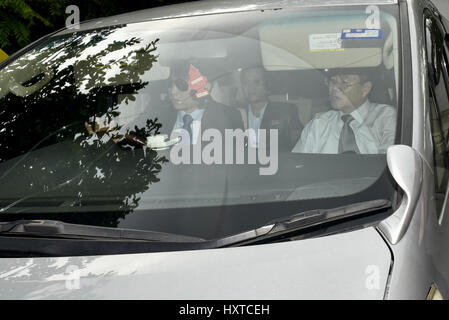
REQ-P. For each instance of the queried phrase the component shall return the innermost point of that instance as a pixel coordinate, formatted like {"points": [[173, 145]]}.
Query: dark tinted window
{"points": [[439, 105]]}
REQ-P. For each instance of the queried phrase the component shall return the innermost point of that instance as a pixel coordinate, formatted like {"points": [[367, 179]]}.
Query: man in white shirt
{"points": [[354, 125]]}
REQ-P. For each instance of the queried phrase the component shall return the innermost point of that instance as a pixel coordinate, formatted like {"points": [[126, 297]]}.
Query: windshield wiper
{"points": [[58, 229], [302, 221], [275, 229]]}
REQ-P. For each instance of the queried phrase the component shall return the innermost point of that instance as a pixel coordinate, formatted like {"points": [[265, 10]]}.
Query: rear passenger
{"points": [[260, 113]]}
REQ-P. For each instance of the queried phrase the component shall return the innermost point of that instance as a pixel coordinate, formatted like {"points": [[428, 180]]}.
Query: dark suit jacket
{"points": [[216, 115], [284, 118]]}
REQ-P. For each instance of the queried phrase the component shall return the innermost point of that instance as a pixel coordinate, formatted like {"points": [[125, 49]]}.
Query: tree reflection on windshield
{"points": [[49, 162]]}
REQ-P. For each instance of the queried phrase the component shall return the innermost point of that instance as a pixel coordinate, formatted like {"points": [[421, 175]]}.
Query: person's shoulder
{"points": [[164, 112], [384, 106], [283, 107], [219, 109], [325, 116], [322, 119], [219, 115], [215, 106]]}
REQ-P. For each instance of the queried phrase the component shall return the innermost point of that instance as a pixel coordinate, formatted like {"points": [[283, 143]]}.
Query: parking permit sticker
{"points": [[361, 34], [325, 42]]}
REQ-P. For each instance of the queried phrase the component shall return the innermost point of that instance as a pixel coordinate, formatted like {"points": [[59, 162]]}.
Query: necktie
{"points": [[187, 121], [347, 138]]}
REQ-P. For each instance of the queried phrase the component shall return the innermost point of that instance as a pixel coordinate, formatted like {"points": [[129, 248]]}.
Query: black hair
{"points": [[180, 69], [363, 74], [246, 70]]}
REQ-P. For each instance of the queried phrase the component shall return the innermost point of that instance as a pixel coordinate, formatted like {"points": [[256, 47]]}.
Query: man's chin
{"points": [[179, 106], [336, 105]]}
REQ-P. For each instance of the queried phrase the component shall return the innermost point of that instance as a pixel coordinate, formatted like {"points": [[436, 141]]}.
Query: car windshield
{"points": [[205, 126]]}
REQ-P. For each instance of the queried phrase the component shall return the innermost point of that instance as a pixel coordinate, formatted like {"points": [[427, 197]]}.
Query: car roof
{"points": [[196, 8]]}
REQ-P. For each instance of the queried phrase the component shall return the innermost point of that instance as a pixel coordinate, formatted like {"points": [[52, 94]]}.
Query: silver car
{"points": [[229, 150]]}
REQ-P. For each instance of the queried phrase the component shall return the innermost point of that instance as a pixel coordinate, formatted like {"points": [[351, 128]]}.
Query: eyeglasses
{"points": [[342, 82], [181, 84]]}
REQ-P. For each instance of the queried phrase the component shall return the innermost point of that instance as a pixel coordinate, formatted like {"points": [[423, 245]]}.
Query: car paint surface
{"points": [[332, 267], [420, 257]]}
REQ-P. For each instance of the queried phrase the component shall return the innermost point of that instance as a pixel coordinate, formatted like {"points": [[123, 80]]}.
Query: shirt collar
{"points": [[361, 112], [261, 111], [196, 115]]}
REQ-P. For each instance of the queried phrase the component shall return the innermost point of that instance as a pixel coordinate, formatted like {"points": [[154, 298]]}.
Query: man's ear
{"points": [[366, 88]]}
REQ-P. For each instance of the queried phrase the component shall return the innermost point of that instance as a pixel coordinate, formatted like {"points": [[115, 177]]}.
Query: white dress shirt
{"points": [[374, 127], [254, 124], [197, 115]]}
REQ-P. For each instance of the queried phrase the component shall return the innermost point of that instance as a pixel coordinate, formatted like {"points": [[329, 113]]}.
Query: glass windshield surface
{"points": [[202, 126]]}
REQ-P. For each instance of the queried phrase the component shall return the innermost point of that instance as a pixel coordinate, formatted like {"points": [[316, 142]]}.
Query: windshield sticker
{"points": [[361, 34], [325, 42]]}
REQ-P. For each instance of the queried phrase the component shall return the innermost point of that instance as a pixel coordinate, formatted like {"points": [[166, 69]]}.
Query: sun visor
{"points": [[119, 72], [193, 49], [320, 43], [124, 66]]}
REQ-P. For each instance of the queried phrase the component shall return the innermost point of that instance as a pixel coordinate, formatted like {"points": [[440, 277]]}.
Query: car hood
{"points": [[353, 265]]}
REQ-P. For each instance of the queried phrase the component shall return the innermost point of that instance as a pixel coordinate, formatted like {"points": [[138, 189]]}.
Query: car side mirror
{"points": [[406, 167]]}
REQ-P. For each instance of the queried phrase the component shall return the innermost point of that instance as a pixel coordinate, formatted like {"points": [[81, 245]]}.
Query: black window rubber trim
{"points": [[406, 85]]}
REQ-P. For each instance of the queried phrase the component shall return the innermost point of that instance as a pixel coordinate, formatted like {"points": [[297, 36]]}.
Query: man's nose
{"points": [[333, 88]]}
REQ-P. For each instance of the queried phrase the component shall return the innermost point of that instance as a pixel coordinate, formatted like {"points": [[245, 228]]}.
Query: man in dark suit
{"points": [[193, 108], [263, 114]]}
